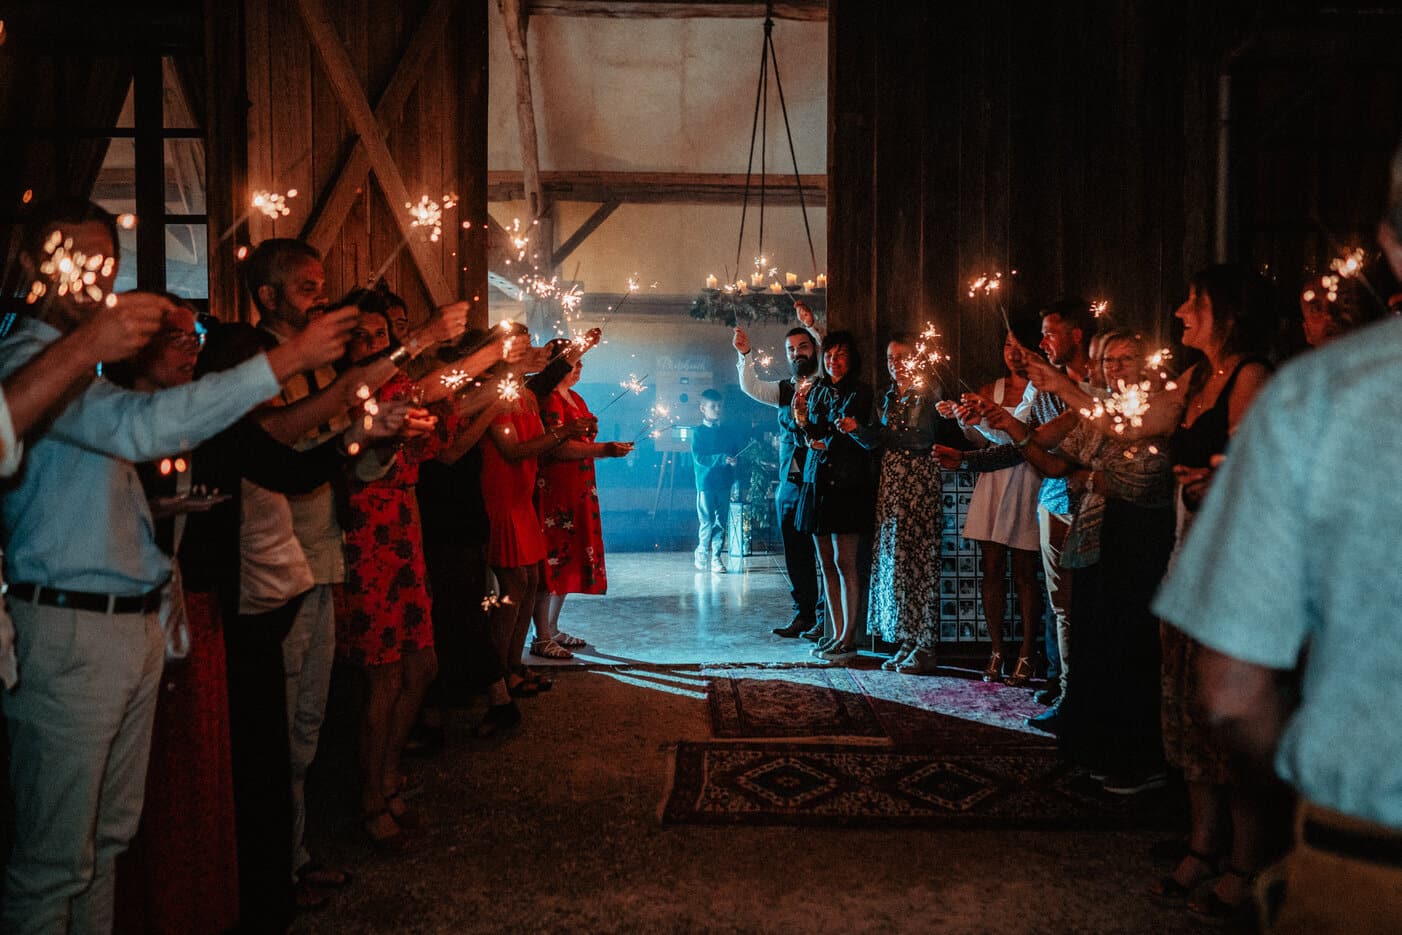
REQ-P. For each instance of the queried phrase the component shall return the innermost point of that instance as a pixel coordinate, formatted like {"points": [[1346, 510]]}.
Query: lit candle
{"points": [[756, 279], [712, 282], [775, 287], [807, 285], [790, 279], [739, 285], [822, 281]]}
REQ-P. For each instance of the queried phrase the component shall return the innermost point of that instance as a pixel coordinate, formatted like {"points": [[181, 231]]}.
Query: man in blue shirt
{"points": [[1292, 564], [86, 578]]}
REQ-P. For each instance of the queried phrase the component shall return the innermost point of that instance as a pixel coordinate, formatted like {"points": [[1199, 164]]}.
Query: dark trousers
{"points": [[800, 557], [262, 767], [457, 574]]}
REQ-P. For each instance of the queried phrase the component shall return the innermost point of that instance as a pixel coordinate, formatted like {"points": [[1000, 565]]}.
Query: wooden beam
{"points": [[813, 11], [471, 25], [661, 188], [329, 214], [341, 75], [516, 19], [591, 224]]}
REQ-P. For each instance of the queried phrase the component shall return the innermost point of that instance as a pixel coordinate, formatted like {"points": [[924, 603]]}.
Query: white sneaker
{"points": [[700, 562], [718, 566]]}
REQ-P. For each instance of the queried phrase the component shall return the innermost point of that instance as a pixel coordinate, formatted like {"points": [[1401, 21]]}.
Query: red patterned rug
{"points": [[860, 786], [799, 702]]}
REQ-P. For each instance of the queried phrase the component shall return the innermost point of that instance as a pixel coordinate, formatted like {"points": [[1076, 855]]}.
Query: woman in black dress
{"points": [[837, 503]]}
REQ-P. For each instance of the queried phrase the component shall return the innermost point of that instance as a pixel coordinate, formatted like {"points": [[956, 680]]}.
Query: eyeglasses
{"points": [[181, 340]]}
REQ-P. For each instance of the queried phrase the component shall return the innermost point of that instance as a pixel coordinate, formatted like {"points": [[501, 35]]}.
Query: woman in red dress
{"points": [[569, 513], [383, 614], [516, 544]]}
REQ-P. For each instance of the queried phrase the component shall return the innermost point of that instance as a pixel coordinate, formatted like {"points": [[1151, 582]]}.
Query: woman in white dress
{"points": [[1002, 518]]}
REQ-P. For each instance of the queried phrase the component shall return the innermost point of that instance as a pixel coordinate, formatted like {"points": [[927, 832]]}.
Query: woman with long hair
{"points": [[837, 503]]}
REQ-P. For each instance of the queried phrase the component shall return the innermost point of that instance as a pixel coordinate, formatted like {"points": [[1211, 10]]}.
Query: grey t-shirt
{"points": [[1297, 547]]}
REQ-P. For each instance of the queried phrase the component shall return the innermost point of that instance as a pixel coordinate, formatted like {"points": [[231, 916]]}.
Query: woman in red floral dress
{"points": [[383, 614], [569, 512]]}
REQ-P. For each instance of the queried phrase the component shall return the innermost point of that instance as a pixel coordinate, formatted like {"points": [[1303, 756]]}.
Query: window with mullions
{"points": [[155, 168]]}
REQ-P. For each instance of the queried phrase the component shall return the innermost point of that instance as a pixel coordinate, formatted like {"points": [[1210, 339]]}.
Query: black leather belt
{"points": [[86, 600], [1378, 849]]}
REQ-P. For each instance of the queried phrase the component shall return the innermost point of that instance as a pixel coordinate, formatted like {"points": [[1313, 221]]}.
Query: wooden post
{"points": [[226, 152], [517, 21], [472, 20], [851, 209]]}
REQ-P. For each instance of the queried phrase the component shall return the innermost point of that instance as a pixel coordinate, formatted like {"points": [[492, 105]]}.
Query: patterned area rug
{"points": [[860, 786], [792, 702], [797, 702]]}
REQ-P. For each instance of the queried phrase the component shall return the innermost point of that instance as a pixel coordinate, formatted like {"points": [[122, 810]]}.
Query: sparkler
{"points": [[455, 379], [1126, 406], [71, 272], [509, 389], [988, 284], [634, 384], [491, 600], [427, 214], [272, 205], [1099, 308], [659, 420]]}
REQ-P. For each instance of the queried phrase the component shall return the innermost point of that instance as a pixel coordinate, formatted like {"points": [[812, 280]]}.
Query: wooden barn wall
{"points": [[299, 137], [1077, 144], [1071, 143]]}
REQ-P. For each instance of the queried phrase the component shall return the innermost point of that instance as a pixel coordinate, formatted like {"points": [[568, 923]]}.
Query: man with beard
{"points": [[801, 349], [1067, 326]]}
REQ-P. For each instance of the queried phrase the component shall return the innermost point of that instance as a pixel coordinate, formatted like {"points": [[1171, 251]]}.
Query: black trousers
{"points": [[800, 557], [262, 770], [467, 663]]}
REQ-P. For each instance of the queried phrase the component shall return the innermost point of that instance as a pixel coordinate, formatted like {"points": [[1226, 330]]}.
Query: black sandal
{"points": [[1168, 889], [499, 718], [1213, 907]]}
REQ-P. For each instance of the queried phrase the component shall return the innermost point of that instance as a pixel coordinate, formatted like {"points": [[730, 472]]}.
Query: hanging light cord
{"points": [[759, 126]]}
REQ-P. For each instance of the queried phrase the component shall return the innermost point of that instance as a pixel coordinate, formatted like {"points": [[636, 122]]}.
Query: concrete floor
{"points": [[554, 827], [661, 611]]}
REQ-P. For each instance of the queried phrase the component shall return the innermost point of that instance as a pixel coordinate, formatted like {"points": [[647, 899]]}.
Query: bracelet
{"points": [[400, 356], [1026, 440]]}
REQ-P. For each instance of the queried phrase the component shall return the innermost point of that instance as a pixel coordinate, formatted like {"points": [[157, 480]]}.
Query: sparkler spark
{"points": [[427, 214], [987, 284], [491, 600], [1126, 406], [71, 272], [1099, 307], [272, 204], [509, 389], [455, 379]]}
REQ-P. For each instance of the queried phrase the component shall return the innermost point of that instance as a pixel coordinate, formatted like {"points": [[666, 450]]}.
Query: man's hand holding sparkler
{"points": [[806, 317], [118, 331], [741, 341]]}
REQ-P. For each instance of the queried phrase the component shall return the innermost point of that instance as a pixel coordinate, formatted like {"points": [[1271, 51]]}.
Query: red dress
{"points": [[181, 873], [508, 490], [384, 610], [569, 510]]}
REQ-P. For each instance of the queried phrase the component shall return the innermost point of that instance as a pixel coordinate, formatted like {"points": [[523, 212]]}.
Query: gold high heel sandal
{"points": [[1022, 674], [994, 671]]}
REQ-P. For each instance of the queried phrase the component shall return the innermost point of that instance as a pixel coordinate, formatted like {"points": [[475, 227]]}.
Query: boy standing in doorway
{"points": [[713, 455]]}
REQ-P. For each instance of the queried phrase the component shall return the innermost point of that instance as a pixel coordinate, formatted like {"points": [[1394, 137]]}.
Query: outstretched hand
{"points": [[805, 314], [949, 458], [120, 330], [741, 340]]}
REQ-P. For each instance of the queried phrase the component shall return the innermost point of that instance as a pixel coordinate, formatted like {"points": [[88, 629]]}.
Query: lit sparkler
{"points": [[455, 379], [509, 389], [1099, 308], [491, 601], [71, 272], [1126, 406], [659, 420], [272, 204], [634, 384]]}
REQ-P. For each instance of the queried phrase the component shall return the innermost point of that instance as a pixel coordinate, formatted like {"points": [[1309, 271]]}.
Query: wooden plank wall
{"points": [[299, 138], [1055, 139]]}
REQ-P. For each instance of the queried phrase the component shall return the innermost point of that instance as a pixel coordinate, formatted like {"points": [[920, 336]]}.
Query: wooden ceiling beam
{"points": [[660, 188], [813, 11], [591, 224]]}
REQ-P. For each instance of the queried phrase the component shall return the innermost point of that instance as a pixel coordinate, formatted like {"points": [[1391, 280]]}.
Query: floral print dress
{"points": [[385, 609], [569, 509]]}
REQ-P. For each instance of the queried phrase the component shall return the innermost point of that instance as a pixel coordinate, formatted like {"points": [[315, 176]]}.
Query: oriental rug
{"points": [[799, 702], [790, 702], [861, 786]]}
